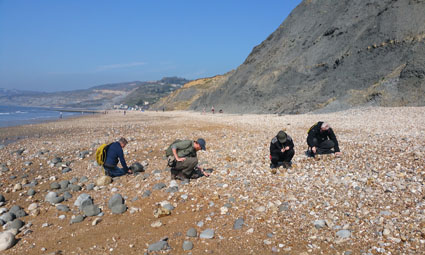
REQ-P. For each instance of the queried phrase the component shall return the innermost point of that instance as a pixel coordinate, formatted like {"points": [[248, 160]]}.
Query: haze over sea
{"points": [[19, 115]]}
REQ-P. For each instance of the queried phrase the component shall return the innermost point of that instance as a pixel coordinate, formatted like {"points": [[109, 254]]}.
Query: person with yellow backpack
{"points": [[109, 155], [321, 139]]}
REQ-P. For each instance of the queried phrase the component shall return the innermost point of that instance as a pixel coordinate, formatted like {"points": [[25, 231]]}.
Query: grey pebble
{"points": [[55, 185], [77, 219], [159, 186], [343, 233], [16, 224], [119, 209], [238, 224], [207, 233], [192, 232], [318, 224], [31, 192], [6, 217], [67, 195], [64, 184], [73, 180], [146, 193], [66, 170], [84, 179], [62, 208], [91, 210], [158, 246], [173, 189], [187, 245], [90, 186], [116, 199]]}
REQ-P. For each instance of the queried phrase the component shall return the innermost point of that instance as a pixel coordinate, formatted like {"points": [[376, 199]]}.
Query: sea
{"points": [[20, 115]]}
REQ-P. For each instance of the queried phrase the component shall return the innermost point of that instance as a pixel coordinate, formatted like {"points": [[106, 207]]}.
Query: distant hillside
{"points": [[184, 98], [97, 97], [331, 55]]}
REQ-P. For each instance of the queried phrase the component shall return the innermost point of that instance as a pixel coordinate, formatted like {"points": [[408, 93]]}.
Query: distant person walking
{"points": [[321, 139], [113, 154], [182, 158], [212, 109], [60, 115], [281, 150]]}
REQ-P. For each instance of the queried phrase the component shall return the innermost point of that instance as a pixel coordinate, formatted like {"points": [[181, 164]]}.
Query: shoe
{"points": [[272, 166], [309, 154], [287, 164]]}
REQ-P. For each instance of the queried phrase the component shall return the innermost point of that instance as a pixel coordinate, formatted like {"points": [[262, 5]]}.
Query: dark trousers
{"points": [[114, 171], [324, 147], [186, 167], [282, 157]]}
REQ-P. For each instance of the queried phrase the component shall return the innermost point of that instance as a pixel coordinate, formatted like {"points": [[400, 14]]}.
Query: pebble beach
{"points": [[54, 198]]}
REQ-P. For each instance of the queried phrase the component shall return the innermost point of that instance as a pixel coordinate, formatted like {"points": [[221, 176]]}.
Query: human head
{"points": [[123, 142], [200, 144], [325, 126], [281, 136]]}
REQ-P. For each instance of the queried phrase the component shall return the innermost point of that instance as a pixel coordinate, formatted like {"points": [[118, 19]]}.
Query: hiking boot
{"points": [[180, 176], [309, 154], [287, 164], [272, 166]]}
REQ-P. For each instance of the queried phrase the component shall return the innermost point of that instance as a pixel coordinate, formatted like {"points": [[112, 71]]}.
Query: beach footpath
{"points": [[54, 198]]}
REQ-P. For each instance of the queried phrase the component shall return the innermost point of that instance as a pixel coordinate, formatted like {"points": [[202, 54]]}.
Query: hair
{"points": [[123, 141], [325, 125]]}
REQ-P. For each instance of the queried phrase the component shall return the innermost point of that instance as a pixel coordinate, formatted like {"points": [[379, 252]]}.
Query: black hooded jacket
{"points": [[276, 146], [321, 136]]}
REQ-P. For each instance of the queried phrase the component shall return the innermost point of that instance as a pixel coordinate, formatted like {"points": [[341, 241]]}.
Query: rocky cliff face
{"points": [[331, 55]]}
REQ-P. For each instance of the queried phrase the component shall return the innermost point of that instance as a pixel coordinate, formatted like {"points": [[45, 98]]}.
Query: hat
{"points": [[201, 142], [281, 136]]}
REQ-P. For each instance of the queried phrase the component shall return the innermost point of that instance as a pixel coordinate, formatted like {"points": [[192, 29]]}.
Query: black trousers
{"points": [[282, 157], [324, 147]]}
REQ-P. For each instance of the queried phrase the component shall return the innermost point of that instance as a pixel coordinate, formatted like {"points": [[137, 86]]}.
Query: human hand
{"points": [[287, 148], [205, 173], [338, 154], [180, 159], [313, 149]]}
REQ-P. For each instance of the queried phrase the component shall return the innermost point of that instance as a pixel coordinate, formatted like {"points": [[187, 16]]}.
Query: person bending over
{"points": [[321, 139], [113, 154], [281, 150]]}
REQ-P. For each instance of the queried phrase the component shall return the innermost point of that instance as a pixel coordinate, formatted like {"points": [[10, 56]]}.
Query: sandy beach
{"points": [[369, 201]]}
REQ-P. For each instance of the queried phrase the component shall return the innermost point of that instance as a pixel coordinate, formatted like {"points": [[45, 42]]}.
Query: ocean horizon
{"points": [[21, 115]]}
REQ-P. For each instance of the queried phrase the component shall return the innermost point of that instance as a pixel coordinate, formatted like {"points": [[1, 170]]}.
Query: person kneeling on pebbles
{"points": [[281, 150], [113, 154], [183, 160], [321, 139]]}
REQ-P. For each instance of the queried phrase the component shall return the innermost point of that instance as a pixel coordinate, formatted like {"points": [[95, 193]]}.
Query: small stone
{"points": [[169, 207], [238, 224], [161, 212], [73, 180], [17, 187], [187, 245], [200, 224], [83, 200], [386, 232], [2, 199], [7, 240], [91, 210], [96, 221], [64, 184], [147, 193], [159, 186], [31, 192], [9, 216], [116, 199], [172, 189], [16, 224], [261, 209], [67, 195], [77, 219], [318, 224], [66, 170], [283, 207], [161, 245], [50, 196], [103, 180], [62, 208], [223, 210], [207, 233], [90, 186], [343, 233], [192, 232], [57, 200], [119, 209], [32, 206], [74, 187], [156, 224], [62, 217]]}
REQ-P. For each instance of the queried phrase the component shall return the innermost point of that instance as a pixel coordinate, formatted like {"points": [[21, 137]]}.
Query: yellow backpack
{"points": [[101, 153]]}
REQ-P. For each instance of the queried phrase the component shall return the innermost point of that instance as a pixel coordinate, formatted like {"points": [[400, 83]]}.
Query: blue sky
{"points": [[53, 45]]}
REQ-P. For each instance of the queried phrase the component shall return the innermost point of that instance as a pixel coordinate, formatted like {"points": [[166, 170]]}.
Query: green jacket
{"points": [[184, 148]]}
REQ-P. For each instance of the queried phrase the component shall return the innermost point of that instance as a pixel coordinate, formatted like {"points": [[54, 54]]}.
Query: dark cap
{"points": [[202, 143], [281, 136]]}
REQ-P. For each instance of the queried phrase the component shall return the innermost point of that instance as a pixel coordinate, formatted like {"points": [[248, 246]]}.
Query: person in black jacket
{"points": [[321, 139], [113, 154], [281, 150]]}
